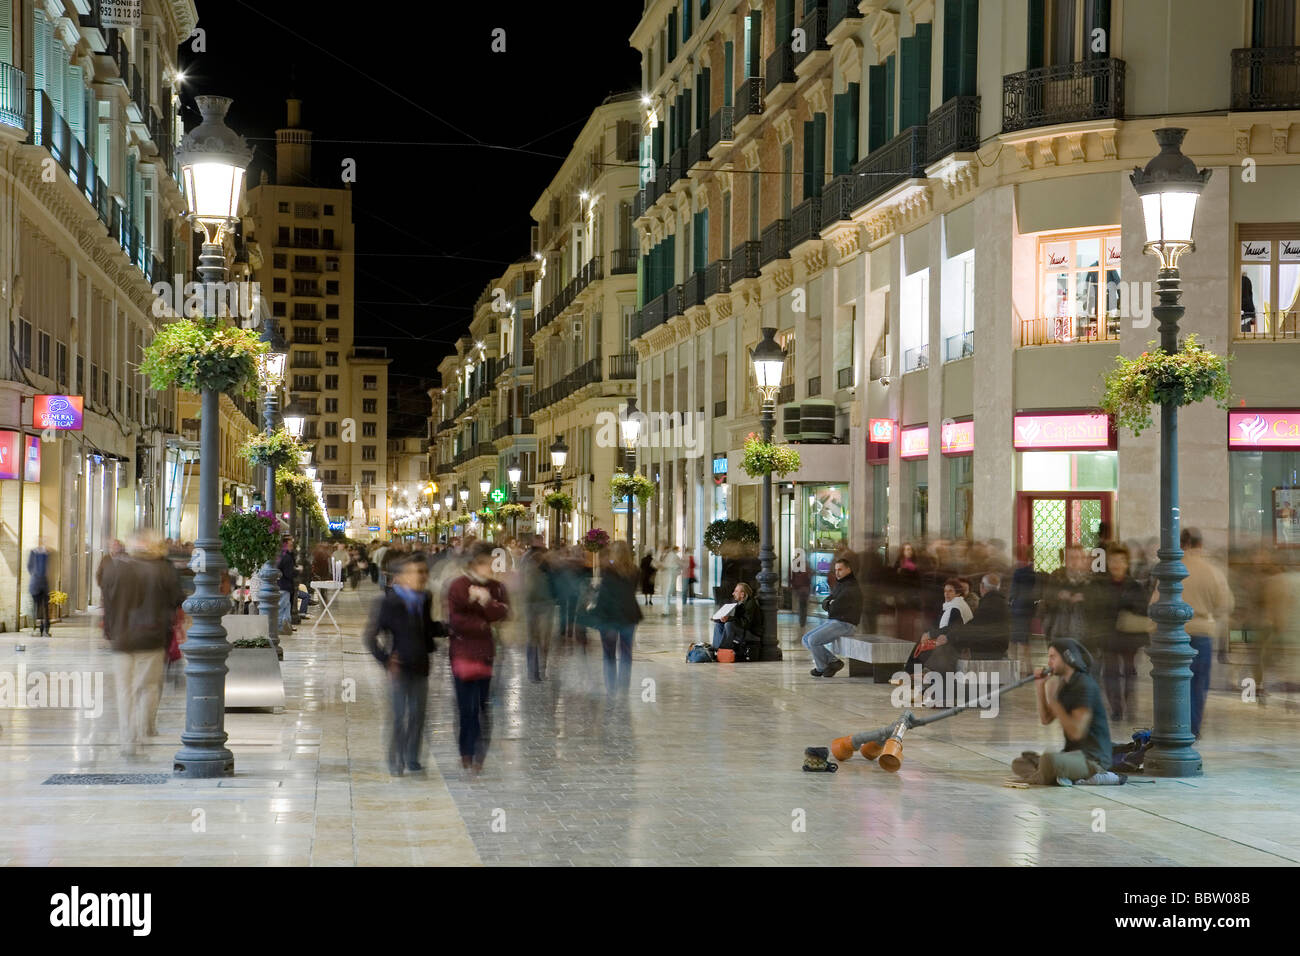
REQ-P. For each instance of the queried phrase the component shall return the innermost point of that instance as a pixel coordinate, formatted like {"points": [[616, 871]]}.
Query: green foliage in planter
{"points": [[276, 450], [249, 643], [292, 483], [558, 501], [733, 529], [512, 510], [1155, 377], [765, 458], [622, 484], [595, 539], [199, 354], [249, 539]]}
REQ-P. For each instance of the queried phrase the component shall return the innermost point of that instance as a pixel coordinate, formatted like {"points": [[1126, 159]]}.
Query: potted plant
{"points": [[250, 539], [200, 354], [1185, 377], [595, 539], [558, 501], [276, 450], [57, 601], [766, 458], [621, 485]]}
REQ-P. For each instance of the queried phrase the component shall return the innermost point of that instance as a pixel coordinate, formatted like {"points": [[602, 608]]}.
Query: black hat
{"points": [[1075, 654]]}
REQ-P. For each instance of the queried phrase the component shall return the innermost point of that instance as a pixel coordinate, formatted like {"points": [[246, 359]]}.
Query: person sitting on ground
{"points": [[1072, 696], [741, 630], [988, 633], [954, 615], [844, 608]]}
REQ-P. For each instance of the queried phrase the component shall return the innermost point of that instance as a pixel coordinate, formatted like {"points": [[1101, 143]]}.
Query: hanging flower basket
{"points": [[595, 539], [276, 450], [734, 529], [484, 514], [622, 484], [559, 501], [512, 510], [765, 458], [1155, 377], [249, 539], [292, 483], [201, 354]]}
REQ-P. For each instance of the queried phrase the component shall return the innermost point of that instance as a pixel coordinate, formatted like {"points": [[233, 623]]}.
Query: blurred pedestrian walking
{"points": [[617, 614], [476, 601]]}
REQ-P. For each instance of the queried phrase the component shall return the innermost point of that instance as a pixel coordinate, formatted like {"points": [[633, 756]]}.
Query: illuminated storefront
{"points": [[1264, 475]]}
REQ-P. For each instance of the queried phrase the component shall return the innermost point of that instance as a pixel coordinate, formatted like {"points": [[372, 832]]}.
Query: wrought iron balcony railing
{"points": [[1065, 330], [959, 346], [674, 301], [1068, 93], [780, 67], [815, 30], [837, 199], [1269, 326], [775, 242], [717, 277], [13, 96], [695, 149], [622, 367], [651, 315], [676, 166], [749, 98], [843, 378], [693, 290], [786, 395], [899, 160], [1266, 78], [840, 10], [806, 221], [745, 262], [954, 128], [623, 261], [721, 127]]}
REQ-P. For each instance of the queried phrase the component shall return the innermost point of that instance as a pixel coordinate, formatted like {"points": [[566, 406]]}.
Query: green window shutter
{"points": [[970, 25], [705, 97], [40, 47], [76, 110], [704, 9], [924, 37], [1098, 18], [840, 135], [876, 90], [890, 71], [1037, 28], [952, 38], [784, 23], [657, 139], [670, 262], [819, 152], [908, 82], [686, 115], [809, 147], [702, 247], [754, 44], [57, 63], [6, 32], [672, 36], [855, 106], [729, 71]]}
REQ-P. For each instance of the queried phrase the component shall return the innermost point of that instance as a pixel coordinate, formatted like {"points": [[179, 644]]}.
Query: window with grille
{"points": [[25, 343], [368, 477], [331, 429], [369, 430], [331, 382], [369, 406], [331, 358], [331, 334], [331, 406], [367, 452], [331, 453], [370, 382]]}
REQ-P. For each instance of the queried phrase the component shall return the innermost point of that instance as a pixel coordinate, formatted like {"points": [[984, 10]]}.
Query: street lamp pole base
{"points": [[1172, 762], [203, 764]]}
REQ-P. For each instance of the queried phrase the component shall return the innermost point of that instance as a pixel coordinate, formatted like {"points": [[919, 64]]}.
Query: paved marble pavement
{"points": [[700, 764]]}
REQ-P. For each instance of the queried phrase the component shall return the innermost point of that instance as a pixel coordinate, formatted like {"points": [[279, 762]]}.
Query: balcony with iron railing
{"points": [[749, 99], [815, 28], [1066, 93], [897, 161], [1068, 330], [1268, 327], [717, 277], [779, 67], [586, 374], [696, 149], [844, 378], [622, 367], [623, 261], [651, 315], [775, 242], [814, 386], [720, 409], [806, 221], [676, 166], [837, 199], [959, 346], [13, 96], [953, 128], [840, 11], [1266, 78], [693, 289], [786, 394], [916, 359], [721, 128], [746, 261], [446, 425]]}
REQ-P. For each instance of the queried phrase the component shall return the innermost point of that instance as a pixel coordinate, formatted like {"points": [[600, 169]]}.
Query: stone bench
{"points": [[872, 655]]}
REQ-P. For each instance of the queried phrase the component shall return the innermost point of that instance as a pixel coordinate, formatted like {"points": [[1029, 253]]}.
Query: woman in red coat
{"points": [[475, 601]]}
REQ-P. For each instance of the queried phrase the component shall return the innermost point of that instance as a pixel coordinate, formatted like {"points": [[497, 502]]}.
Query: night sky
{"points": [[453, 143]]}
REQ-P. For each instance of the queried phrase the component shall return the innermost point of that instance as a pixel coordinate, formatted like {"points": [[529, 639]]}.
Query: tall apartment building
{"points": [[307, 275], [929, 200], [90, 218]]}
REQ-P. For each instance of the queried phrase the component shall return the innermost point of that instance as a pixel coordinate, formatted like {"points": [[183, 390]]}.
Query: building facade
{"points": [[930, 200], [90, 225], [307, 244]]}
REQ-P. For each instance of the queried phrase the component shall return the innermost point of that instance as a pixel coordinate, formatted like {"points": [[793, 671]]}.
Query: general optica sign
{"points": [[957, 438], [1062, 432], [59, 412], [1276, 429], [914, 442]]}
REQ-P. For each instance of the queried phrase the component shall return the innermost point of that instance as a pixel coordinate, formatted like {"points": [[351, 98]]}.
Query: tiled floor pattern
{"points": [[699, 765]]}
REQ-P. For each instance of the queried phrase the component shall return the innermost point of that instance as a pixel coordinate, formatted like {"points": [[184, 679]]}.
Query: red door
{"points": [[1048, 521]]}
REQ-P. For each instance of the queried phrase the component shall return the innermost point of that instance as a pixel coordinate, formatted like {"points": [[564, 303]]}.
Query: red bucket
{"points": [[726, 656]]}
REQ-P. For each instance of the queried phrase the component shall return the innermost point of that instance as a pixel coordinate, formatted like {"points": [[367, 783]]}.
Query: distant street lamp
{"points": [[630, 427], [1169, 187], [559, 455], [769, 367], [271, 367]]}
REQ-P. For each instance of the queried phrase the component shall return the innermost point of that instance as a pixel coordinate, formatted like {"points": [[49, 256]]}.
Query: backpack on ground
{"points": [[700, 654]]}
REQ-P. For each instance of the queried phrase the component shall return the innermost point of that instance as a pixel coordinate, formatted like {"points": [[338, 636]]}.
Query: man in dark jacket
{"points": [[141, 593], [742, 630], [538, 571], [986, 636], [405, 615], [288, 567], [844, 607]]}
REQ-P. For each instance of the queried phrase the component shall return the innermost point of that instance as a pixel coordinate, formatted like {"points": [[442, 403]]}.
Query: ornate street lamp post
{"points": [[559, 455], [272, 373], [1169, 187], [630, 427], [213, 160], [294, 423], [769, 366], [515, 474]]}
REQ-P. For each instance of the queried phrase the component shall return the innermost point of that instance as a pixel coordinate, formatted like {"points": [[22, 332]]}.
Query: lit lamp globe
{"points": [[293, 424], [271, 363], [630, 426], [317, 486], [213, 160], [1169, 188], [311, 472], [514, 472], [559, 454], [449, 502], [769, 365], [464, 495], [484, 485]]}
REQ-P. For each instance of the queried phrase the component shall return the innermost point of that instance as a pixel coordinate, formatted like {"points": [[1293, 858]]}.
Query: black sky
{"points": [[434, 223]]}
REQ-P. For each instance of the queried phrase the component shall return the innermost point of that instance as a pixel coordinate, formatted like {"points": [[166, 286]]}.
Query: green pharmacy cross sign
{"points": [[498, 496]]}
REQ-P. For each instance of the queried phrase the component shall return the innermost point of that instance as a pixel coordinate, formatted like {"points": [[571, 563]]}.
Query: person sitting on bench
{"points": [[743, 626], [936, 650], [844, 608], [986, 636], [1072, 696]]}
